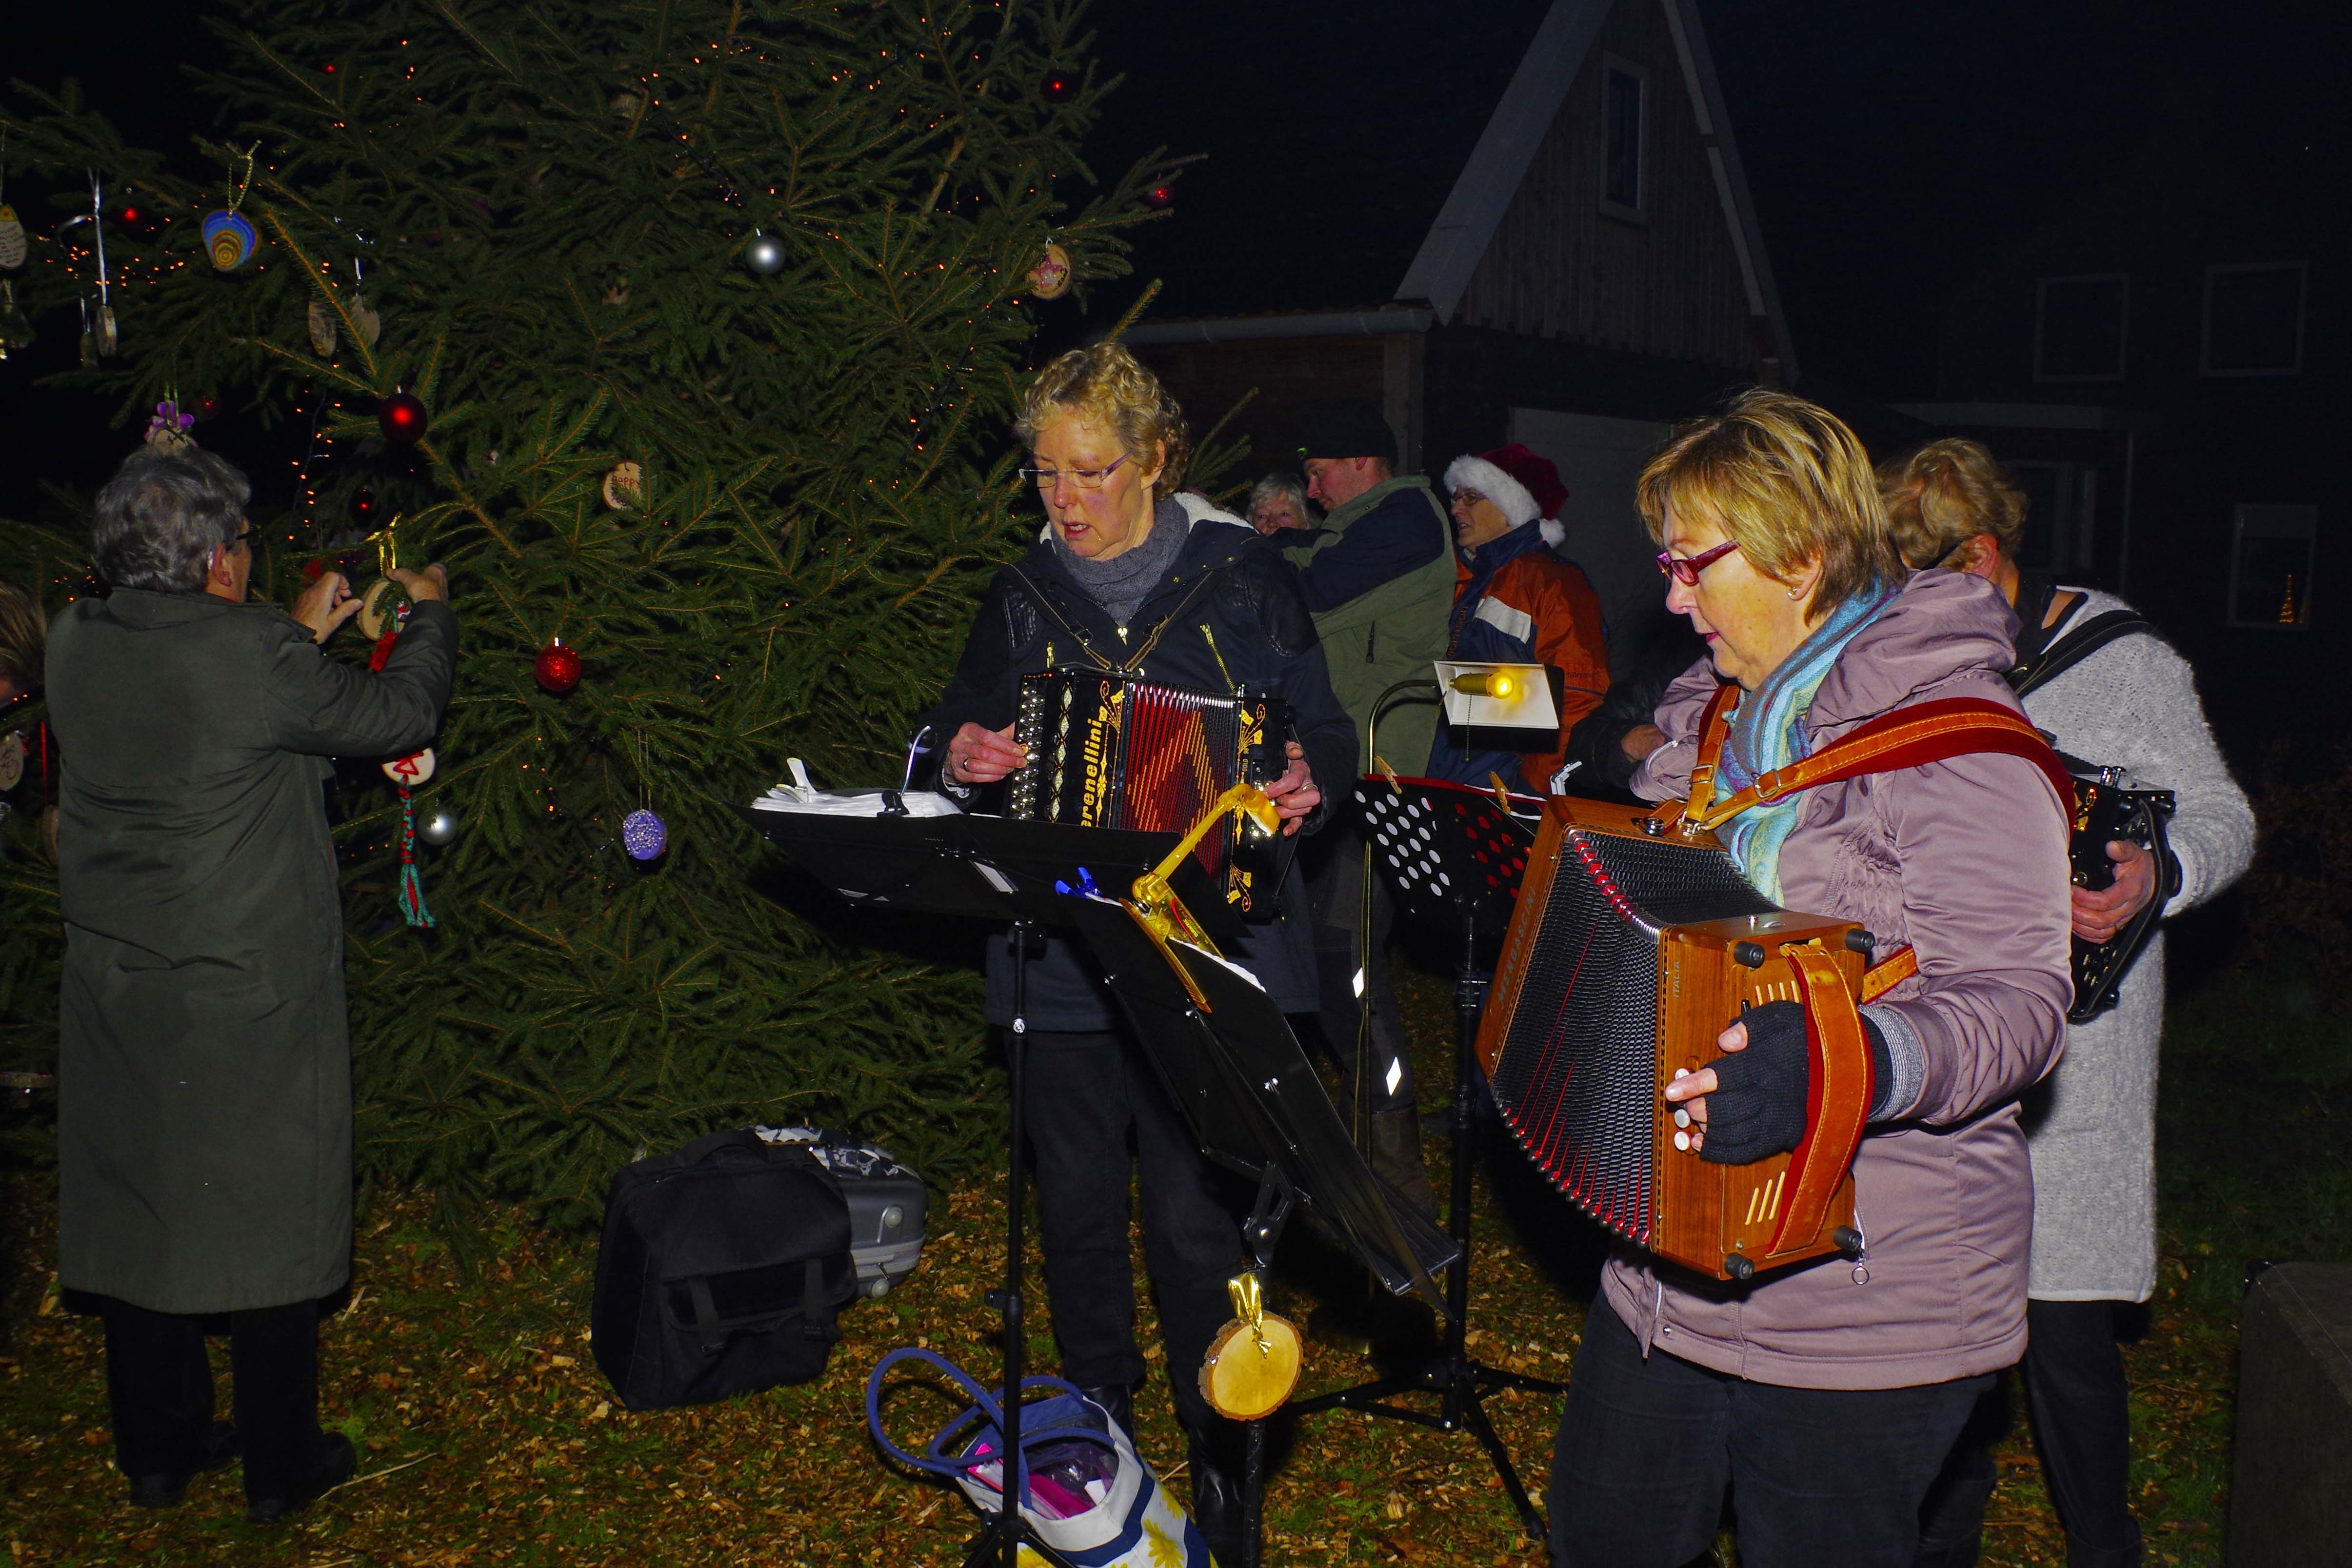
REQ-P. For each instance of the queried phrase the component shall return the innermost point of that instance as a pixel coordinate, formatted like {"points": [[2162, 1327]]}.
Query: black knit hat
{"points": [[1347, 427]]}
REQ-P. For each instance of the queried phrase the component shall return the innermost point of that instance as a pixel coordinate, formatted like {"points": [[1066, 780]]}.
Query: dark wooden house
{"points": [[1526, 223]]}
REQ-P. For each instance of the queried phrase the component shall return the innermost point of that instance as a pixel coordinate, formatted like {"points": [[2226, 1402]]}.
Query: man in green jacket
{"points": [[204, 1102], [1379, 584]]}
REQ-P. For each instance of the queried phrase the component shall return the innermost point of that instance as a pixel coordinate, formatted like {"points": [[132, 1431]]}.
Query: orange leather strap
{"points": [[1712, 728], [1907, 737], [1837, 1098], [1889, 972]]}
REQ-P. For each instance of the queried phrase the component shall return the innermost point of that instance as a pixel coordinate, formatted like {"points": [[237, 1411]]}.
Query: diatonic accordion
{"points": [[1106, 750], [1633, 947]]}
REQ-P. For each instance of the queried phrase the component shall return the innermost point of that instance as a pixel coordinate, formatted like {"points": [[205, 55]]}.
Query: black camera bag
{"points": [[721, 1270]]}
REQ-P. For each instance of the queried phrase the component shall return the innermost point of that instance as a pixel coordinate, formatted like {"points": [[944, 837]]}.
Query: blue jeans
{"points": [[1818, 1478]]}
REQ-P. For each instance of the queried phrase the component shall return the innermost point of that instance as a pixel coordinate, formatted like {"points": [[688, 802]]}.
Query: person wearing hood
{"points": [[1826, 1394], [1515, 602], [1133, 573]]}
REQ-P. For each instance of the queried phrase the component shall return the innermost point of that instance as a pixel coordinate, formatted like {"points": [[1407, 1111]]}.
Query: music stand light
{"points": [[1497, 697]]}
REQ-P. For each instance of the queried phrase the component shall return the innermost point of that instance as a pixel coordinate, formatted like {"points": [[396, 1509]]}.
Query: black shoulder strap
{"points": [[2086, 640], [1052, 611]]}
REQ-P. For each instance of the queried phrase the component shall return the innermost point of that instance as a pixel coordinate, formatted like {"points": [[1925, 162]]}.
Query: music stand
{"points": [[1455, 854], [1257, 1107], [988, 868]]}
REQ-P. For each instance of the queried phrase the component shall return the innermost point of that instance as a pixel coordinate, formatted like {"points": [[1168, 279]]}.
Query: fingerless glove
{"points": [[1759, 1104]]}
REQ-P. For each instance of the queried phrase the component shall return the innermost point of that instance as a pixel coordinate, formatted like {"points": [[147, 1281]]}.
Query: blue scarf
{"points": [[1767, 732]]}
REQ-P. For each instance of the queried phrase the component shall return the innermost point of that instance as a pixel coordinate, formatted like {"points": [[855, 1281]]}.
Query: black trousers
{"points": [[161, 1389], [1086, 1096], [1334, 890], [1647, 1448], [2075, 1388]]}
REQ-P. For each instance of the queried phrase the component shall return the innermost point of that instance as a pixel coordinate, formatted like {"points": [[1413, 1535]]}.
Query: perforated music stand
{"points": [[1455, 854], [983, 868]]}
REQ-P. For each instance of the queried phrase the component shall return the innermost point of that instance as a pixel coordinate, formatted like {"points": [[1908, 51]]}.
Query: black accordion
{"points": [[1109, 750], [2108, 809]]}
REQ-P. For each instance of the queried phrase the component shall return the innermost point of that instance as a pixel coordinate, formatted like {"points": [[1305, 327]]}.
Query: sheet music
{"points": [[857, 803]]}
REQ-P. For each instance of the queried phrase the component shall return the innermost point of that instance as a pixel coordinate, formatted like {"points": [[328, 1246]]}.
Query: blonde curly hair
{"points": [[1945, 494], [1109, 386]]}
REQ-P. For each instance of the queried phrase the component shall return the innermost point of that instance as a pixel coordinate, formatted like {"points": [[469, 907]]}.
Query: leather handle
{"points": [[1837, 1098]]}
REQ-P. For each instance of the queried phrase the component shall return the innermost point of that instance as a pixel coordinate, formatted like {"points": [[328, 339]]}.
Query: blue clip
{"points": [[1086, 881], [1065, 889]]}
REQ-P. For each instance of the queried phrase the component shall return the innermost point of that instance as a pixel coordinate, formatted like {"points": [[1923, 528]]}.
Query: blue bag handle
{"points": [[938, 1459]]}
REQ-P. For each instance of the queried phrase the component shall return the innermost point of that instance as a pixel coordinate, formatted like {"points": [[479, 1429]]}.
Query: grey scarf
{"points": [[1121, 584]]}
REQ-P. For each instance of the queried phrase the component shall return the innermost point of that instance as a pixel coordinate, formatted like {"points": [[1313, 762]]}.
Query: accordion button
{"points": [[1682, 1140], [1682, 1118]]}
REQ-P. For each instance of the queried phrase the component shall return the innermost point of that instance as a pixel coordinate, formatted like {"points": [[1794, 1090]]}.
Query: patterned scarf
{"points": [[1767, 732]]}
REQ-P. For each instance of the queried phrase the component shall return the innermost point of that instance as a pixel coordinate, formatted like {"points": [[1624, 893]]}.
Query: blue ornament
{"points": [[643, 835], [229, 239]]}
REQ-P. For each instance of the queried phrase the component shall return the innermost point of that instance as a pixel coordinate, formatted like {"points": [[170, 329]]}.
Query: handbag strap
{"points": [[2070, 651], [1907, 737], [937, 1460]]}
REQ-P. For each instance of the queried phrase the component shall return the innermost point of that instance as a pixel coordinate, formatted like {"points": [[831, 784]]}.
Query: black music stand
{"points": [[988, 868], [1454, 854], [1258, 1108]]}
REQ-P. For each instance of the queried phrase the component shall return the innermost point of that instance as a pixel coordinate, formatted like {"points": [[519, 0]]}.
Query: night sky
{"points": [[1891, 148]]}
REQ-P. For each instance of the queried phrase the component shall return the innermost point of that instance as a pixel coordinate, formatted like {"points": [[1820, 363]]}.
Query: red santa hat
{"points": [[1526, 485]]}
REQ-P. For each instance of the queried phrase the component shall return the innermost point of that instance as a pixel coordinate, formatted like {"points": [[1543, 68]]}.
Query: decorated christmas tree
{"points": [[685, 334]]}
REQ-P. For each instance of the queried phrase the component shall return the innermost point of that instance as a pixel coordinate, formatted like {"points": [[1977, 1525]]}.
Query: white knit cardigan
{"points": [[2091, 1123]]}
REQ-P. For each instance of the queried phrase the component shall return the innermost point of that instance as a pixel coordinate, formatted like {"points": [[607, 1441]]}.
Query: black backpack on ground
{"points": [[721, 1270]]}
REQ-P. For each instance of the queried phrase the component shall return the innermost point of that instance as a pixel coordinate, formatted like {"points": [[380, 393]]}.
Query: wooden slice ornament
{"points": [[12, 759], [625, 488], [380, 607], [370, 324], [321, 323], [411, 770], [1252, 1364], [1051, 278], [12, 239]]}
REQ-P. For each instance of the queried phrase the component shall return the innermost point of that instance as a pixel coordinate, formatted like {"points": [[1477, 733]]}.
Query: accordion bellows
{"points": [[1631, 950], [1106, 750]]}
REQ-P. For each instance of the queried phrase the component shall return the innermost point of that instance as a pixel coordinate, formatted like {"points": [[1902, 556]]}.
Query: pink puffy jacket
{"points": [[1965, 860]]}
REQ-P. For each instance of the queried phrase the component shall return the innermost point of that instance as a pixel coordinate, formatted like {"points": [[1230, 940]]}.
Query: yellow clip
{"points": [[1382, 764], [387, 550], [1248, 1293], [1502, 796]]}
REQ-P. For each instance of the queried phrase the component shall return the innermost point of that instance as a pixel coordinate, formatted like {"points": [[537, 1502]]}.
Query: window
{"points": [[2061, 505], [2253, 319], [1624, 110], [2079, 328], [2270, 567]]}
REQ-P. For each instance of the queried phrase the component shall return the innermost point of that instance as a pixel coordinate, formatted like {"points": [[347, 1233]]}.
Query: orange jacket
{"points": [[1516, 602]]}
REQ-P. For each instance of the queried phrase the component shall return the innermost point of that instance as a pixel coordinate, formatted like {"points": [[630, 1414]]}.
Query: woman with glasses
{"points": [[1824, 1396], [204, 1076], [1128, 576], [2122, 700]]}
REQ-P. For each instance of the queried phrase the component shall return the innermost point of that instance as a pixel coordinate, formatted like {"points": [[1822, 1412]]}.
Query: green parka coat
{"points": [[205, 1102]]}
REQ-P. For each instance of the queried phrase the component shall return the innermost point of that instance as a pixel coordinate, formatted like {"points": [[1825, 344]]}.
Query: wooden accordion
{"points": [[1635, 945], [1108, 750]]}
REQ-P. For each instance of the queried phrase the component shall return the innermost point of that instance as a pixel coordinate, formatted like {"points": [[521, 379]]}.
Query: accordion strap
{"points": [[1838, 1093], [1907, 737]]}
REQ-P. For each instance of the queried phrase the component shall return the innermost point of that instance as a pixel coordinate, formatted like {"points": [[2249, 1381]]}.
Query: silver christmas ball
{"points": [[764, 254], [440, 827]]}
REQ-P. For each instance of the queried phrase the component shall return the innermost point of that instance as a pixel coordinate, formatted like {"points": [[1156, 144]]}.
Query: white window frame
{"points": [[2301, 269], [2041, 314], [2273, 519], [1639, 213]]}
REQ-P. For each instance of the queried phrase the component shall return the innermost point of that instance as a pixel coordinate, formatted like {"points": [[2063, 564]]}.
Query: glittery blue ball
{"points": [[643, 835]]}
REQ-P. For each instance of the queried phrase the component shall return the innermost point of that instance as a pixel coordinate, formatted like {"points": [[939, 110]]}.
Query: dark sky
{"points": [[1890, 146]]}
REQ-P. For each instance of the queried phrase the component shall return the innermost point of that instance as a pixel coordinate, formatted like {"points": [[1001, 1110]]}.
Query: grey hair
{"points": [[1279, 484], [162, 516]]}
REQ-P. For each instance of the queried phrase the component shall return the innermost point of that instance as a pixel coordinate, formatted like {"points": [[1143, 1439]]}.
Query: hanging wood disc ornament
{"points": [[370, 324], [625, 488], [380, 607], [402, 418], [1252, 1363], [12, 759], [411, 770], [229, 239], [12, 239], [557, 668], [321, 323], [1050, 278]]}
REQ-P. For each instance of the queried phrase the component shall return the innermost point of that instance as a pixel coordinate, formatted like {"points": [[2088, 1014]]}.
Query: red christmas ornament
{"points": [[401, 417], [208, 407], [557, 668], [1059, 86], [363, 505], [1159, 198]]}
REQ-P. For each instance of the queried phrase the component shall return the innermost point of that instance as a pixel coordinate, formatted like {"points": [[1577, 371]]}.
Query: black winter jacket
{"points": [[1240, 588]]}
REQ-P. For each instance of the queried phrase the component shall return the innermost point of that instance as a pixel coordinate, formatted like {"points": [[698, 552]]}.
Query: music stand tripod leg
{"points": [[1007, 1532]]}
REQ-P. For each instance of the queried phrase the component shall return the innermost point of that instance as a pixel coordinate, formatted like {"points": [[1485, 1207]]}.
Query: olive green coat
{"points": [[1392, 633], [204, 1082]]}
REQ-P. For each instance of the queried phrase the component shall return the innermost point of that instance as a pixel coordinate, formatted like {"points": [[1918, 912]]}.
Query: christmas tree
{"points": [[686, 334]]}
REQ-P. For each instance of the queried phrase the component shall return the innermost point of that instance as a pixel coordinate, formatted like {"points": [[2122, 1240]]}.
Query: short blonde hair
{"points": [[1109, 386], [1945, 494], [1786, 479]]}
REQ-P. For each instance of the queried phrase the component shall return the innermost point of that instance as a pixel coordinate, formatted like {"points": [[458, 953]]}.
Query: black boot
{"points": [[1216, 1468], [1118, 1400], [338, 1462], [1396, 1157], [166, 1489]]}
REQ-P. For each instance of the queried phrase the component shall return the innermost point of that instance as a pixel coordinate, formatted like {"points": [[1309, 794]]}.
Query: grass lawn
{"points": [[488, 1437]]}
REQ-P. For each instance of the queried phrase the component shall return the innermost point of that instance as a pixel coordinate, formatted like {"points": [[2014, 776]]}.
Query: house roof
{"points": [[1359, 156]]}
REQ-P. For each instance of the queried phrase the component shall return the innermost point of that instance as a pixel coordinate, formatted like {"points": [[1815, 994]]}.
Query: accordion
{"points": [[2108, 809], [1634, 945], [1108, 750]]}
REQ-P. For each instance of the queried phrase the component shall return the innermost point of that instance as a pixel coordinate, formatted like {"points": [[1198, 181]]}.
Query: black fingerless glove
{"points": [[1759, 1104]]}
